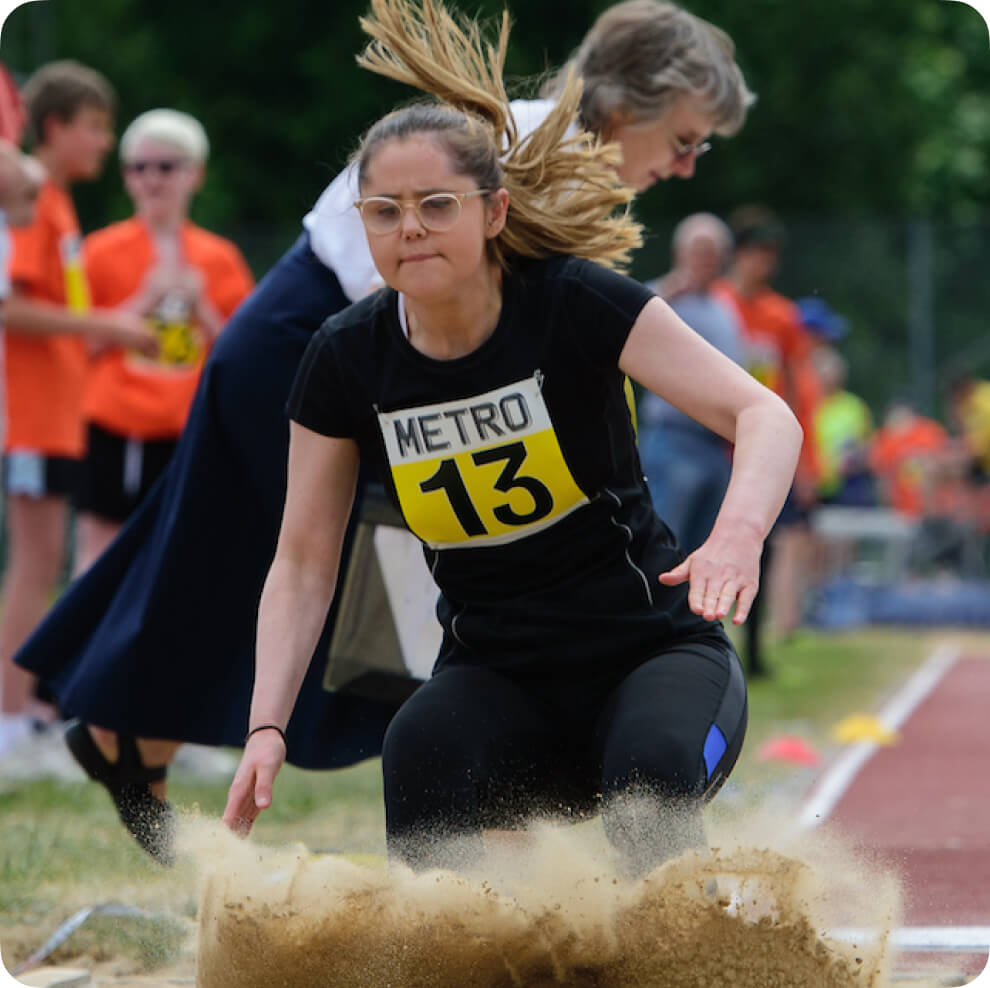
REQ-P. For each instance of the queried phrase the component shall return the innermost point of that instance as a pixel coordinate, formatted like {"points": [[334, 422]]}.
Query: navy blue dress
{"points": [[157, 639]]}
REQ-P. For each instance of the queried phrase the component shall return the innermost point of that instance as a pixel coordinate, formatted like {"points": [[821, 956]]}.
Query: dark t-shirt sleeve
{"points": [[318, 399], [602, 306]]}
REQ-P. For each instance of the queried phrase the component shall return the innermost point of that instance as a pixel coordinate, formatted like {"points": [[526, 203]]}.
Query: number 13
{"points": [[449, 480]]}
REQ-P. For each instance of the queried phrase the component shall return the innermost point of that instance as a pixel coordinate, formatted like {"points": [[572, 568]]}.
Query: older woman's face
{"points": [[160, 180], [650, 148]]}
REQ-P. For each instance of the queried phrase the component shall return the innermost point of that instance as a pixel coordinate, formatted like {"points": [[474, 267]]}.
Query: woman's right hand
{"points": [[251, 790]]}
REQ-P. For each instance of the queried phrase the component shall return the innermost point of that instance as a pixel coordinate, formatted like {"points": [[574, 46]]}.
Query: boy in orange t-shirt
{"points": [[69, 111], [906, 457], [187, 282], [778, 350]]}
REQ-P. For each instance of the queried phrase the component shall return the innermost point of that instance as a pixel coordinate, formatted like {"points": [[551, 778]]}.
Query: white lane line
{"points": [[840, 775], [924, 939]]}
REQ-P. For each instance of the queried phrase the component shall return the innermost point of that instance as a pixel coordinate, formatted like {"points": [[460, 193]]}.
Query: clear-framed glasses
{"points": [[682, 150], [438, 211]]}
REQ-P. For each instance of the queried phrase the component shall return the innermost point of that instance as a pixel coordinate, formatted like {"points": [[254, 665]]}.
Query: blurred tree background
{"points": [[870, 138]]}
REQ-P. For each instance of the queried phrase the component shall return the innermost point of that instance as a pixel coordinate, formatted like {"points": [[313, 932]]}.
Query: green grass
{"points": [[62, 848]]}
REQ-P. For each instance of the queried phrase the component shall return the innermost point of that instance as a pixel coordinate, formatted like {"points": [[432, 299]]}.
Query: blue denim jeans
{"points": [[688, 472]]}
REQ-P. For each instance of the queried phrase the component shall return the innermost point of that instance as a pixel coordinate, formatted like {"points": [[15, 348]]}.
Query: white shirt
{"points": [[336, 233]]}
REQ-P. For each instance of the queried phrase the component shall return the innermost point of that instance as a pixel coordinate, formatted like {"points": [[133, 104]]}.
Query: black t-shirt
{"points": [[515, 465]]}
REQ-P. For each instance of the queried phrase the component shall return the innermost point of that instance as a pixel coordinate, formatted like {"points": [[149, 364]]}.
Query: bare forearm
{"points": [[112, 327], [293, 609], [28, 315], [767, 445]]}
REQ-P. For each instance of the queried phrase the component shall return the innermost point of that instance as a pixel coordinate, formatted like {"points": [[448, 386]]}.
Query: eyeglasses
{"points": [[165, 166], [682, 150], [438, 211]]}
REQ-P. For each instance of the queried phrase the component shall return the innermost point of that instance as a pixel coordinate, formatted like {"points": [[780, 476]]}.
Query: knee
{"points": [[652, 798], [646, 830], [664, 764], [431, 782], [35, 564], [425, 743], [409, 741]]}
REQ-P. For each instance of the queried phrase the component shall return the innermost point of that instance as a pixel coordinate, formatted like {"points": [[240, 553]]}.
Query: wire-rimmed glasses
{"points": [[438, 211], [682, 150]]}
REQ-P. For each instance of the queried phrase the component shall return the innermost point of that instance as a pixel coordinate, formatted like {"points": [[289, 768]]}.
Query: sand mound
{"points": [[554, 913]]}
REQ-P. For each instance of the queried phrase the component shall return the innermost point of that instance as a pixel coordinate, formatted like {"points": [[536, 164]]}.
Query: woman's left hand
{"points": [[724, 570]]}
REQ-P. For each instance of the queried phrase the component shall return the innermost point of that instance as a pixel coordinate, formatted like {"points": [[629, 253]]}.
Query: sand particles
{"points": [[550, 910]]}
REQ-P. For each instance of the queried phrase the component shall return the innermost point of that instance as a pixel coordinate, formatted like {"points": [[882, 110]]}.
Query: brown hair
{"points": [[564, 194], [640, 56], [60, 89]]}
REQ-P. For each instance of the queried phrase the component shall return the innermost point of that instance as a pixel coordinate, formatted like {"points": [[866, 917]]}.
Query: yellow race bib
{"points": [[74, 275], [179, 344], [485, 470]]}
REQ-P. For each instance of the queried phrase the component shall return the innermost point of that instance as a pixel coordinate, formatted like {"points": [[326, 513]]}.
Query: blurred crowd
{"points": [[105, 336], [933, 475]]}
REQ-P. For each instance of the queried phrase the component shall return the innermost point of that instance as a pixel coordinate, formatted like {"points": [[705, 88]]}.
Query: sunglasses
{"points": [[164, 166]]}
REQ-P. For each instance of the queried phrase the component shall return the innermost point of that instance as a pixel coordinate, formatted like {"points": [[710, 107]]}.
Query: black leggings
{"points": [[474, 749]]}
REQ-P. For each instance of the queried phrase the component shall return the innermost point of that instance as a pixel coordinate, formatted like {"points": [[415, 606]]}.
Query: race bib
{"points": [[485, 470], [179, 344], [76, 286], [763, 362]]}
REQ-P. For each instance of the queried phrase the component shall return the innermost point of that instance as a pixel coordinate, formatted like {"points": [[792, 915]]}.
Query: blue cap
{"points": [[818, 317]]}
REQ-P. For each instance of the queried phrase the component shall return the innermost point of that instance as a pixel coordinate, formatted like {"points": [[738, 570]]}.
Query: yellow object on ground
{"points": [[864, 727]]}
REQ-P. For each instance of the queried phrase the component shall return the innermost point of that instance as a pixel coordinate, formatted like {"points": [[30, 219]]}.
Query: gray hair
{"points": [[702, 224], [172, 127], [640, 56]]}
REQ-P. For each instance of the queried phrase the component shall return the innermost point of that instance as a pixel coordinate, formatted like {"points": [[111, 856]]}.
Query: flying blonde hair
{"points": [[564, 194]]}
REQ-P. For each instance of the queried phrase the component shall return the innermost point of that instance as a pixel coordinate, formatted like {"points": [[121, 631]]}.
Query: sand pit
{"points": [[554, 913]]}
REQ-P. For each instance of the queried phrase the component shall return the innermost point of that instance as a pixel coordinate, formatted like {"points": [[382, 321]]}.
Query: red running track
{"points": [[923, 804]]}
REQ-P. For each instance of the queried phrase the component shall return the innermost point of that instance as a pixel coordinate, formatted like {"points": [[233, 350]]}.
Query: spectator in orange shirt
{"points": [[69, 109], [778, 346], [20, 181], [187, 282], [778, 350], [906, 458]]}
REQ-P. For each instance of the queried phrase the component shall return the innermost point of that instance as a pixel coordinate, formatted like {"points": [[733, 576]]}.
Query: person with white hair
{"points": [[686, 465], [187, 282]]}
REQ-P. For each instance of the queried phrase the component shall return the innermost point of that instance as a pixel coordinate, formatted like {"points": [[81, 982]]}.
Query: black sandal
{"points": [[150, 821]]}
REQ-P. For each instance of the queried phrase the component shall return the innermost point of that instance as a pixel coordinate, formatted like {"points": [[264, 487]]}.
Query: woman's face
{"points": [[160, 180], [650, 148], [423, 263]]}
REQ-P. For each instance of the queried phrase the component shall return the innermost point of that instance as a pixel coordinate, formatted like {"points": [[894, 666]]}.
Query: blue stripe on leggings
{"points": [[715, 745]]}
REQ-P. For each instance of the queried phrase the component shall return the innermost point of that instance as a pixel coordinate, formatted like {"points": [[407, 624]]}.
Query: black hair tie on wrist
{"points": [[268, 727]]}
